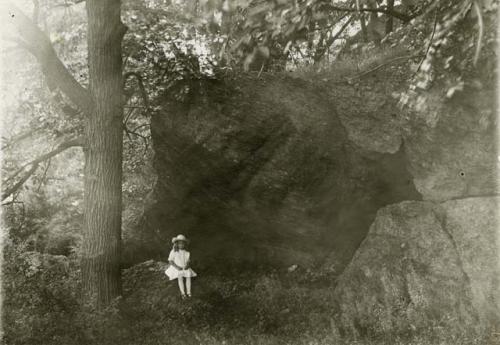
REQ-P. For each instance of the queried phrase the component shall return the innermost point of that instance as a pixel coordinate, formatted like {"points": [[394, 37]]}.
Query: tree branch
{"points": [[406, 57], [319, 54], [401, 16], [480, 23], [142, 89], [34, 166], [9, 191], [145, 138], [19, 137], [69, 3], [430, 42], [45, 170], [37, 42], [36, 11]]}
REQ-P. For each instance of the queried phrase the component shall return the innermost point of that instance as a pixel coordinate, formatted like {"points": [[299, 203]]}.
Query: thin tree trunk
{"points": [[389, 23], [364, 31], [103, 155]]}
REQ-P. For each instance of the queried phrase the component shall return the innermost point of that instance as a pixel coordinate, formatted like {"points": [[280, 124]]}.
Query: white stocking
{"points": [[181, 285], [188, 285]]}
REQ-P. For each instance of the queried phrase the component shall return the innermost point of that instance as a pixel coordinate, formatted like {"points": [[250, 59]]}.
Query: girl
{"points": [[178, 268]]}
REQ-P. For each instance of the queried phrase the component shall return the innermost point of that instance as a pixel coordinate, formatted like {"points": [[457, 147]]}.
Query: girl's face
{"points": [[181, 244]]}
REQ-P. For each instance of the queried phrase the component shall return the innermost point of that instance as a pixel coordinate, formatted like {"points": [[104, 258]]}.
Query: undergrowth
{"points": [[355, 64], [42, 306]]}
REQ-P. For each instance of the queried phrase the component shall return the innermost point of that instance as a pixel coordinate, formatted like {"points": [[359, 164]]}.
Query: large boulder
{"points": [[292, 168], [263, 170], [425, 263]]}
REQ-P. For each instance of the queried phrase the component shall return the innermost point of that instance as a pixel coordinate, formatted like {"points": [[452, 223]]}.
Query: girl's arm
{"points": [[171, 257], [187, 261], [171, 262]]}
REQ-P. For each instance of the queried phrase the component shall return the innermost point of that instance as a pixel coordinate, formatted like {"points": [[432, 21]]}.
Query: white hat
{"points": [[179, 238]]}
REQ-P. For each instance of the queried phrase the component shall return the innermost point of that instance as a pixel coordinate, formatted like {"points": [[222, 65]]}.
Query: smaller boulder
{"points": [[424, 264]]}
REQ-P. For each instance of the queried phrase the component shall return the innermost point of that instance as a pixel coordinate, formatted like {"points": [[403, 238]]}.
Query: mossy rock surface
{"points": [[421, 266]]}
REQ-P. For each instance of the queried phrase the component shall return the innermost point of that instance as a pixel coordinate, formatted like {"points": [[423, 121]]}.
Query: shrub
{"points": [[41, 297]]}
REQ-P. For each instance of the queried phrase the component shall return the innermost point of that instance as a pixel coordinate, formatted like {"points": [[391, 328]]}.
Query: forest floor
{"points": [[243, 308], [230, 306]]}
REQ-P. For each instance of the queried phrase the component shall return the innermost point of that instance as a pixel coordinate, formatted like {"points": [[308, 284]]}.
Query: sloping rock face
{"points": [[452, 149], [263, 170], [450, 146], [425, 264]]}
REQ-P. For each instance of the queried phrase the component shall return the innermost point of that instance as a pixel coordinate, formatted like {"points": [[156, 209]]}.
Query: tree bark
{"points": [[389, 23], [364, 31], [103, 155], [102, 104]]}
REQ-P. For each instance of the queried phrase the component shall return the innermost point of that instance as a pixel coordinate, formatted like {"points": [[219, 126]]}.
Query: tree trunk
{"points": [[364, 31], [101, 274], [389, 23]]}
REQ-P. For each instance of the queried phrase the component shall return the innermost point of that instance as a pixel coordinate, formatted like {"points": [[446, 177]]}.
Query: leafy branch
{"points": [[34, 164], [37, 43], [405, 18], [142, 89], [328, 43]]}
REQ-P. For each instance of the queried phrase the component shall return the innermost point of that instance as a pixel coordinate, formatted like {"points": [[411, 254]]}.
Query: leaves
{"points": [[451, 49]]}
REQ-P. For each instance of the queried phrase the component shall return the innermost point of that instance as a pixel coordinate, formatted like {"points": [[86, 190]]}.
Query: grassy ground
{"points": [[240, 307], [247, 308]]}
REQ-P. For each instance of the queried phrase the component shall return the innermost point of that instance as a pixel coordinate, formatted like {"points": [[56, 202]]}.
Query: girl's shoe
{"points": [[183, 296], [189, 295]]}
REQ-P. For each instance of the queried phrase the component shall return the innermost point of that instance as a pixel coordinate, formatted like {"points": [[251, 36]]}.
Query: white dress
{"points": [[181, 259]]}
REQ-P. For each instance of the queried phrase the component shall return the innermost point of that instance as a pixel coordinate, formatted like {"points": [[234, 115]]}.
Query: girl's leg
{"points": [[188, 285], [181, 285]]}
